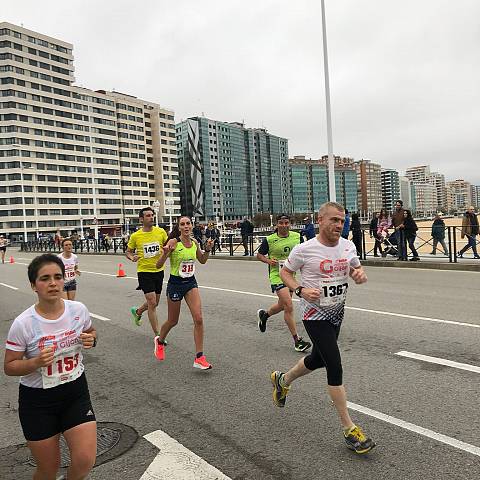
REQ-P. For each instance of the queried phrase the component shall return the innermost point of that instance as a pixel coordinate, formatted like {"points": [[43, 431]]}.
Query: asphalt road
{"points": [[226, 415]]}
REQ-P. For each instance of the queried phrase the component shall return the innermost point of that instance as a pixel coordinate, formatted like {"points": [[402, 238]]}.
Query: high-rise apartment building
{"points": [[228, 171], [462, 194], [407, 193], [390, 188], [476, 196], [310, 184], [425, 199], [422, 174], [71, 157], [369, 187]]}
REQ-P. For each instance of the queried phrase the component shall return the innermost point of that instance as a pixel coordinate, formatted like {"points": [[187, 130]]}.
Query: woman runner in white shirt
{"points": [[44, 347], [70, 261]]}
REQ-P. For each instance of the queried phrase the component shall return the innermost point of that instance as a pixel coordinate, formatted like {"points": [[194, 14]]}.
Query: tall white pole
{"points": [[331, 162]]}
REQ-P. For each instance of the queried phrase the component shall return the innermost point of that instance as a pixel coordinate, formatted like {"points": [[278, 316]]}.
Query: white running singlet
{"points": [[328, 269], [30, 333], [70, 264]]}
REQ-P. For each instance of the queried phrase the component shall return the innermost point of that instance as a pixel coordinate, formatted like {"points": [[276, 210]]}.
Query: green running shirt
{"points": [[278, 248], [182, 260]]}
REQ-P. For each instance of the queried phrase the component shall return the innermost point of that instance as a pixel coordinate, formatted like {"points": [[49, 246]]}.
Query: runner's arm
{"points": [[88, 338], [263, 252], [288, 279], [15, 365], [168, 248], [131, 255], [202, 256]]}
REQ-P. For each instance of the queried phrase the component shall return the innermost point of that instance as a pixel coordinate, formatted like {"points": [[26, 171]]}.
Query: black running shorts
{"points": [[70, 286], [46, 412], [178, 287], [150, 282]]}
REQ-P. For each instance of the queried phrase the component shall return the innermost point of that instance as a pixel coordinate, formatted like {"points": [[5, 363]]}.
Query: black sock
{"points": [[199, 354]]}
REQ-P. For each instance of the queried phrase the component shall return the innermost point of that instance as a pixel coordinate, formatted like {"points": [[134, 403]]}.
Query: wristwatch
{"points": [[94, 342], [298, 291]]}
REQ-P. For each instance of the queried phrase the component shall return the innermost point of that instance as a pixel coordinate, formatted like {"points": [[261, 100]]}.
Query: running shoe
{"points": [[262, 319], [357, 441], [137, 319], [201, 363], [279, 392], [159, 349], [301, 345]]}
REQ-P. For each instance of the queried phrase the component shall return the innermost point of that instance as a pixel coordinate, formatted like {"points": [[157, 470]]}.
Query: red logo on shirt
{"points": [[47, 341], [326, 266]]}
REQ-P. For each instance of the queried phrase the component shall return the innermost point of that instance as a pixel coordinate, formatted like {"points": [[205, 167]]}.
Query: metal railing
{"points": [[232, 245]]}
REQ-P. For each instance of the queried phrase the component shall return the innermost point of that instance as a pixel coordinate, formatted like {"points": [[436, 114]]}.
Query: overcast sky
{"points": [[404, 76]]}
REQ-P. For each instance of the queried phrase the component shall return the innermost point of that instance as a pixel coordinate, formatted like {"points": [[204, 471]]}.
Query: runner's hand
{"points": [[78, 272], [87, 340], [210, 243], [358, 275], [46, 357], [134, 258], [272, 262], [311, 294]]}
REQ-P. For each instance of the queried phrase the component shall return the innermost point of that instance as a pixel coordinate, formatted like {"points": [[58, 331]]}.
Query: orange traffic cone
{"points": [[121, 271], [12, 260]]}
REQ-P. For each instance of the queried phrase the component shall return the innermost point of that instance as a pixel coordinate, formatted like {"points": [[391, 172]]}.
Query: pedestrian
{"points": [[308, 231], [410, 230], [213, 233], [398, 237], [438, 234], [346, 225], [469, 230], [3, 247], [374, 234], [198, 234], [183, 251], [273, 251], [70, 262], [325, 264], [356, 229], [44, 348], [246, 230], [145, 248]]}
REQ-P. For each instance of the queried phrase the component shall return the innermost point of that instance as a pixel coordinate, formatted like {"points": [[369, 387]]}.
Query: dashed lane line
{"points": [[439, 437], [99, 317], [439, 361], [8, 286]]}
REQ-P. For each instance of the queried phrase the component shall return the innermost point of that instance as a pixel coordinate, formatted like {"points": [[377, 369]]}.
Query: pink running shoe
{"points": [[159, 350], [201, 363]]}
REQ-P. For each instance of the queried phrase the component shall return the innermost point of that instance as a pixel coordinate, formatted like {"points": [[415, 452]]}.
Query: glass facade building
{"points": [[229, 171]]}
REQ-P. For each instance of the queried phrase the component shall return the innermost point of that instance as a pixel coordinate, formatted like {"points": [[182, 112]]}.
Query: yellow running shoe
{"points": [[279, 392], [357, 441]]}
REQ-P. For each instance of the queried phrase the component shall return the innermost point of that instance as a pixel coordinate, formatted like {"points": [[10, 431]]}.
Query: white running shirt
{"points": [[70, 264], [328, 269], [30, 332]]}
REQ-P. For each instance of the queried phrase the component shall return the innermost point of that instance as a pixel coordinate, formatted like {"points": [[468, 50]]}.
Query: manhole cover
{"points": [[113, 439]]}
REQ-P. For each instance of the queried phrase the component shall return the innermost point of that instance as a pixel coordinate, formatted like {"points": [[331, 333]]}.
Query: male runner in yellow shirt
{"points": [[145, 247]]}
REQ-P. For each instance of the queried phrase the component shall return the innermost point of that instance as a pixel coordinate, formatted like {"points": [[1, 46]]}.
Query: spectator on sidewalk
{"points": [[356, 228], [398, 218], [346, 225], [308, 231], [410, 229], [374, 234], [246, 230], [438, 234], [470, 230]]}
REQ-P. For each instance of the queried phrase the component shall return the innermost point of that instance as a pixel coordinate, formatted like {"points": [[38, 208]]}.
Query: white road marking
{"points": [[439, 437], [174, 461], [99, 317], [439, 361], [9, 286]]}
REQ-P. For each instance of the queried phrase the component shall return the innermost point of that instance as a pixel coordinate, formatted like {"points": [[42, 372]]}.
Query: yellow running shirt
{"points": [[148, 246]]}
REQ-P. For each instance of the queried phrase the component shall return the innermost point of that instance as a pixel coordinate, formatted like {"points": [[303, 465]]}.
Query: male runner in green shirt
{"points": [[273, 251]]}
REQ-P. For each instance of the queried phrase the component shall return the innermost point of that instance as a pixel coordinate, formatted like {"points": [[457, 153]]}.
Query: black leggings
{"points": [[325, 352]]}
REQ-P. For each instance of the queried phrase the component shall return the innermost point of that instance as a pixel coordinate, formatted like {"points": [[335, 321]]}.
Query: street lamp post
{"points": [[156, 209], [169, 202], [331, 162]]}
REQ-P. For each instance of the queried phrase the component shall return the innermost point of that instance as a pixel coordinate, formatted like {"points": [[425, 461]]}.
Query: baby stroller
{"points": [[389, 244]]}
